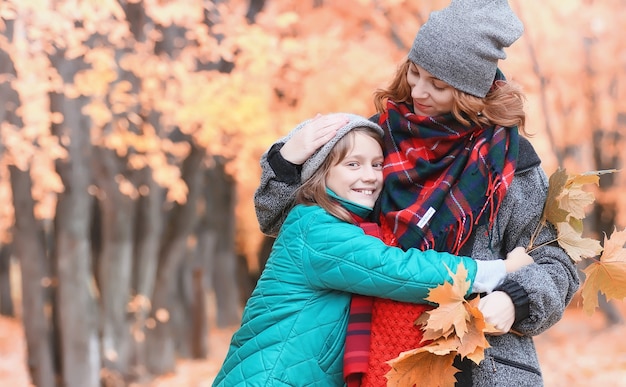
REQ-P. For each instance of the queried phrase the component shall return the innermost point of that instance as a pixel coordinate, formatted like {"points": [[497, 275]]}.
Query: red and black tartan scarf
{"points": [[442, 178], [357, 345]]}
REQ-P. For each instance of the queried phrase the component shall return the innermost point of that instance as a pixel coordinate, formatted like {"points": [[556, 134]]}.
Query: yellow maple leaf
{"points": [[575, 245], [420, 367], [450, 297], [574, 200], [608, 275]]}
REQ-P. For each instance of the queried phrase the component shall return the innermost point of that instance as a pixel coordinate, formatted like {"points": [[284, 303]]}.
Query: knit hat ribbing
{"points": [[462, 43], [315, 161]]}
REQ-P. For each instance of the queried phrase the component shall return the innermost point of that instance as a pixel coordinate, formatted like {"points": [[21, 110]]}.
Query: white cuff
{"points": [[489, 274]]}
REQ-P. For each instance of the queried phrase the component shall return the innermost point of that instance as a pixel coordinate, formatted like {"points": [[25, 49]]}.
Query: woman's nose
{"points": [[418, 90]]}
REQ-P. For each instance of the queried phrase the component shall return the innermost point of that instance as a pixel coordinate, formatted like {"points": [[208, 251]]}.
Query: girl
{"points": [[294, 325], [457, 178]]}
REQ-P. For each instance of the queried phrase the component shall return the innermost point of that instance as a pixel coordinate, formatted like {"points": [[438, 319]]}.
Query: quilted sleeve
{"points": [[340, 256]]}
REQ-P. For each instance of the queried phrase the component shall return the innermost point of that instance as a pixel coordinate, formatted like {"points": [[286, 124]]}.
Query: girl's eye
{"points": [[437, 87], [352, 164], [378, 165]]}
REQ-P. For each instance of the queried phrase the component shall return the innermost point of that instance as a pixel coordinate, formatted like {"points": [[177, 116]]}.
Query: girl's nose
{"points": [[369, 174]]}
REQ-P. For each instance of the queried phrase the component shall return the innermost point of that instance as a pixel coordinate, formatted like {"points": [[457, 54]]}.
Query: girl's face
{"points": [[359, 176], [431, 96]]}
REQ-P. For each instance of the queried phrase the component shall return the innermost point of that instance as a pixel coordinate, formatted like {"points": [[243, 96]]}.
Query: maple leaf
{"points": [[451, 311], [574, 200], [420, 367], [552, 211], [608, 275], [473, 343], [564, 208], [455, 326], [575, 245]]}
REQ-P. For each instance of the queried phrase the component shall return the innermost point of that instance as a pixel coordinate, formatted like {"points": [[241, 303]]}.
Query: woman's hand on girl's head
{"points": [[312, 136], [516, 259]]}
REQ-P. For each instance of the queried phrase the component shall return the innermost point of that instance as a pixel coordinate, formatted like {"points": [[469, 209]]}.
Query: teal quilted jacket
{"points": [[294, 324]]}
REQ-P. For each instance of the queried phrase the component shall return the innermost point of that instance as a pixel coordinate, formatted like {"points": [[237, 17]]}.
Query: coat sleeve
{"points": [[340, 256], [540, 292], [275, 194]]}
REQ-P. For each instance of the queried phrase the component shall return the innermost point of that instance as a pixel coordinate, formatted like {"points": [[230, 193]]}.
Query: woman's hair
{"points": [[313, 191], [503, 105]]}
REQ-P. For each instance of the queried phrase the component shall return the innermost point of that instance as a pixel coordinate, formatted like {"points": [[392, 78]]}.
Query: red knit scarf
{"points": [[357, 345], [378, 329]]}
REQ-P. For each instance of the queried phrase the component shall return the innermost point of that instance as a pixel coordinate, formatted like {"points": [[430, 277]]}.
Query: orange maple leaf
{"points": [[474, 342], [608, 275], [451, 311], [455, 326], [420, 367]]}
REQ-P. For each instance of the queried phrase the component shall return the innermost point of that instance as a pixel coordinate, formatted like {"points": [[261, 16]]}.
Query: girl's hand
{"points": [[312, 136], [516, 259]]}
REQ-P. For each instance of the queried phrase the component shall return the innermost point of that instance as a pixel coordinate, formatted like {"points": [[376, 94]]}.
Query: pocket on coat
{"points": [[332, 350], [510, 372]]}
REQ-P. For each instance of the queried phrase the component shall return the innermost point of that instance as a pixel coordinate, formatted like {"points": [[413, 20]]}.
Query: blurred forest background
{"points": [[130, 134]]}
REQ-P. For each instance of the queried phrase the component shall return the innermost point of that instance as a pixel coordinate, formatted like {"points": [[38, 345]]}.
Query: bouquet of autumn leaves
{"points": [[457, 327]]}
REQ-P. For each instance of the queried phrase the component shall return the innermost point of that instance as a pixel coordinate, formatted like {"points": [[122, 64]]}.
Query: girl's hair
{"points": [[313, 191], [503, 105]]}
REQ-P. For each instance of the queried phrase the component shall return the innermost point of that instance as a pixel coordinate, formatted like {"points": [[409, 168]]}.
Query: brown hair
{"points": [[503, 105], [313, 191]]}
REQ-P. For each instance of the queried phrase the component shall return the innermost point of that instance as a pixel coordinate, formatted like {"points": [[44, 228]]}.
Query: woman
{"points": [[457, 178]]}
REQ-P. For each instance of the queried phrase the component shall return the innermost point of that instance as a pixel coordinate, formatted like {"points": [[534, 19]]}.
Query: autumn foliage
{"points": [[455, 327]]}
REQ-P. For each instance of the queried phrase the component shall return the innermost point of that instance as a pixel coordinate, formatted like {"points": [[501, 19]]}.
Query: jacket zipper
{"points": [[515, 364]]}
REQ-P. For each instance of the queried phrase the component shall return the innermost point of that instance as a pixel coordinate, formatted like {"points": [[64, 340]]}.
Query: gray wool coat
{"points": [[540, 292]]}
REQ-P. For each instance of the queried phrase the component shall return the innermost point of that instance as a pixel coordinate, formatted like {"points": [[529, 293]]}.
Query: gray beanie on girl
{"points": [[462, 43], [315, 161]]}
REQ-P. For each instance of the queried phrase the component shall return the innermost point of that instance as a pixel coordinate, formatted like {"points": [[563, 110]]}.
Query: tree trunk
{"points": [[6, 298], [28, 241], [29, 248], [76, 301], [149, 224], [161, 344], [114, 263], [221, 212]]}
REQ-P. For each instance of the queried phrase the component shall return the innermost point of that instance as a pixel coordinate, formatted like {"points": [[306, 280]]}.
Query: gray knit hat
{"points": [[462, 43], [315, 161]]}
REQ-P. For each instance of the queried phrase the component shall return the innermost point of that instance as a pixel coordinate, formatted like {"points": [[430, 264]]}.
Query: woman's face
{"points": [[359, 176], [431, 96]]}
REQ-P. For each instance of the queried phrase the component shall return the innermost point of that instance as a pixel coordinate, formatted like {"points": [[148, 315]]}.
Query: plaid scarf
{"points": [[357, 345], [442, 178]]}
